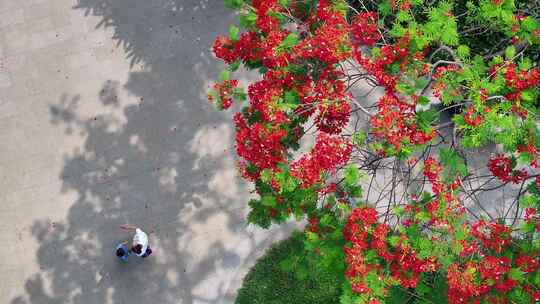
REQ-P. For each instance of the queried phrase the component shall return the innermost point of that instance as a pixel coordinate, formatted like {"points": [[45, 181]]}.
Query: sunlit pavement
{"points": [[103, 121]]}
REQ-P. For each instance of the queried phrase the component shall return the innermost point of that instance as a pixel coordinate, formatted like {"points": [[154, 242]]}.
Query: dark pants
{"points": [[147, 253]]}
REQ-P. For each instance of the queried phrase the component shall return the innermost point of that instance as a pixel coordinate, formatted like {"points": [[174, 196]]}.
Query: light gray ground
{"points": [[103, 121]]}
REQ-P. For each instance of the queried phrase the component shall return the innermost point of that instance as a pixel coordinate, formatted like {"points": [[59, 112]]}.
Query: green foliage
{"points": [[225, 75], [234, 33], [247, 20], [284, 275], [234, 4], [453, 164], [289, 42], [442, 25], [359, 138], [426, 119], [291, 100], [461, 51]]}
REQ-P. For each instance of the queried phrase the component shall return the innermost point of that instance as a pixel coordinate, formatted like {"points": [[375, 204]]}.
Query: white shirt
{"points": [[140, 237]]}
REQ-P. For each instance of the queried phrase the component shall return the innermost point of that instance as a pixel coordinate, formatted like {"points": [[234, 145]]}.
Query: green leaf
{"points": [[536, 279], [393, 240], [326, 220], [399, 210], [233, 3], [510, 52], [284, 3], [528, 201], [420, 83], [425, 248], [359, 138], [423, 100], [403, 16], [460, 234], [405, 88], [234, 33], [248, 20], [291, 100], [266, 176], [286, 182], [426, 118], [289, 42], [287, 264], [385, 7], [352, 175], [287, 106], [527, 95], [530, 24], [301, 273], [239, 94], [515, 274], [422, 289], [453, 164], [311, 236], [527, 227], [422, 216], [463, 51], [291, 97], [517, 295], [269, 201], [525, 64], [234, 66], [524, 158], [225, 75]]}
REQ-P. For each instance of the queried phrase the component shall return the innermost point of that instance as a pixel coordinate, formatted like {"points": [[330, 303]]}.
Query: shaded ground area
{"points": [[104, 122]]}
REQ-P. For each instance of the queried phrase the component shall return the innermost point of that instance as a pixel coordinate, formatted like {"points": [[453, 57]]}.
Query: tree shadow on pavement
{"points": [[165, 164]]}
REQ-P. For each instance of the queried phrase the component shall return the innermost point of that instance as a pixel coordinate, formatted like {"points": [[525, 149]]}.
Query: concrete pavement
{"points": [[103, 121]]}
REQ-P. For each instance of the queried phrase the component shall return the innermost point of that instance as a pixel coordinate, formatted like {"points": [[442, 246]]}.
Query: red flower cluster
{"points": [[472, 118], [432, 170], [364, 28], [265, 21], [356, 231], [328, 153], [259, 145], [440, 83], [446, 206], [501, 167], [364, 234], [462, 284], [224, 91], [522, 80], [389, 54], [330, 42], [396, 123], [492, 235], [303, 81], [486, 281], [224, 49], [333, 103]]}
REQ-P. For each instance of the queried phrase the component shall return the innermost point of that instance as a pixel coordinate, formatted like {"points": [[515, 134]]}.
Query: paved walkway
{"points": [[103, 121]]}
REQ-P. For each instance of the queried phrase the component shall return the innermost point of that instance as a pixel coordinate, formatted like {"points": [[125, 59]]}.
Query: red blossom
{"points": [[501, 167], [328, 153], [364, 28], [224, 91], [472, 118], [492, 235], [259, 145], [396, 123], [223, 49]]}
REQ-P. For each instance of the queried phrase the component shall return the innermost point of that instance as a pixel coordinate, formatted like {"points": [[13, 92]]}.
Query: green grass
{"points": [[268, 283]]}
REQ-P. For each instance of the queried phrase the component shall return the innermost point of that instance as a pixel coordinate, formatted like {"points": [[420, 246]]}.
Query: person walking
{"points": [[122, 251], [140, 244]]}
